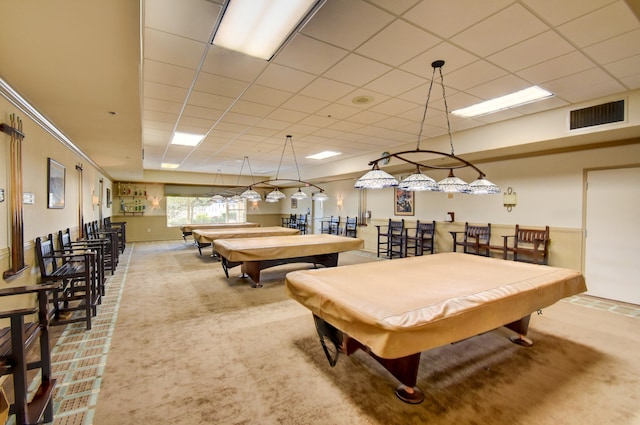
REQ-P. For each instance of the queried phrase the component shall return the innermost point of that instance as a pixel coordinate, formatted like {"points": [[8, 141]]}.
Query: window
{"points": [[191, 210]]}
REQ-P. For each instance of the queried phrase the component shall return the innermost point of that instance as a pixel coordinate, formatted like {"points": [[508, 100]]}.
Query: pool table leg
{"points": [[405, 369], [521, 327]]}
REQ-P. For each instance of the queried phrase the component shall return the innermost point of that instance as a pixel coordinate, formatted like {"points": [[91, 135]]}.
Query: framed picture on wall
{"points": [[403, 202], [55, 183], [294, 203], [108, 198]]}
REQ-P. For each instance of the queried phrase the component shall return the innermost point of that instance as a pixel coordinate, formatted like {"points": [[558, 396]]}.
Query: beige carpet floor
{"points": [[192, 347]]}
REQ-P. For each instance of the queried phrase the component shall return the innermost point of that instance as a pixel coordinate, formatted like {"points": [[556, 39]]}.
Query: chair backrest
{"points": [[483, 233], [395, 227], [44, 254], [532, 238], [425, 229], [64, 240], [107, 221], [351, 223]]}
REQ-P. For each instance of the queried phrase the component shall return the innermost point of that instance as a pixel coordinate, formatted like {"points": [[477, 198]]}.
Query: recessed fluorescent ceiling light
{"points": [[186, 139], [323, 155], [532, 94], [258, 28], [167, 165]]}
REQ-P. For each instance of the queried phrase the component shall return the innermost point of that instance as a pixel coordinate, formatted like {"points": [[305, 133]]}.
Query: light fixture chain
{"points": [[294, 156], [446, 110], [426, 106], [241, 168]]}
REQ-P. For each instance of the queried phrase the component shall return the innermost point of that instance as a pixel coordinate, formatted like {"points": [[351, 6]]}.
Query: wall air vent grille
{"points": [[597, 115]]}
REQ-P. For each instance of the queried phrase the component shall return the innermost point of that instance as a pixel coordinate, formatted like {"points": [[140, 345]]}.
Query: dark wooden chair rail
{"points": [[16, 342]]}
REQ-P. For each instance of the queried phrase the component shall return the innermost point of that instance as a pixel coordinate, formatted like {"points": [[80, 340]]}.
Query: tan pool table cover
{"points": [[258, 249], [211, 235], [405, 306], [192, 227]]}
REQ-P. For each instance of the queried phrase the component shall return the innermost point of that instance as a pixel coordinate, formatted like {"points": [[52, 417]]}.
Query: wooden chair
{"points": [[475, 239], [78, 294], [16, 342], [332, 226], [68, 246], [109, 237], [301, 224], [391, 239], [120, 227], [529, 245], [351, 227], [422, 240]]}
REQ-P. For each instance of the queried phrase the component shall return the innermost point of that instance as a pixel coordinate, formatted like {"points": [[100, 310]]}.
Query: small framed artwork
{"points": [[403, 202], [294, 203], [108, 198], [55, 190]]}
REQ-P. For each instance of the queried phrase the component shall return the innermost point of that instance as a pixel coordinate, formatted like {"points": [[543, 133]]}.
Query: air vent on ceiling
{"points": [[597, 115]]}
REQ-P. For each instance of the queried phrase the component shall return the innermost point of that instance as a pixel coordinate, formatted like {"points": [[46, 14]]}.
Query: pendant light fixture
{"points": [[377, 178]]}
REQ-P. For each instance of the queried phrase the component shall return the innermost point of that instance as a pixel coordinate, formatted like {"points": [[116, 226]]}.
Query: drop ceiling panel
{"points": [[283, 78], [191, 20], [473, 75], [395, 83], [559, 12], [164, 92], [616, 48], [390, 45], [266, 95], [488, 36], [169, 74], [446, 18], [216, 84], [553, 69], [605, 23], [357, 70], [326, 89], [533, 51], [310, 55], [454, 57], [585, 85], [227, 63], [305, 104], [163, 47], [347, 24]]}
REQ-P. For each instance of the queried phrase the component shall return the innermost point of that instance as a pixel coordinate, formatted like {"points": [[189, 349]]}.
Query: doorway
{"points": [[612, 232]]}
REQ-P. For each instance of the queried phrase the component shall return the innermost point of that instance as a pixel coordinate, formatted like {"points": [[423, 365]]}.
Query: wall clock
{"points": [[385, 158]]}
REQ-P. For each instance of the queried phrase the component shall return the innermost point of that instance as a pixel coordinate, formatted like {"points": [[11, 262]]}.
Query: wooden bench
{"points": [[528, 245], [16, 342], [78, 295], [475, 239]]}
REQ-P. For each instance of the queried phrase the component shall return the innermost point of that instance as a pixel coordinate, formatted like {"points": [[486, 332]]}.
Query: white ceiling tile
{"points": [[305, 104], [453, 56], [283, 78], [159, 105], [310, 55], [265, 95], [338, 111], [446, 18], [221, 61], [395, 83], [540, 48], [193, 19], [357, 70], [559, 12], [346, 24], [585, 85], [367, 117], [504, 29], [201, 112], [392, 46], [172, 49], [625, 67], [251, 108], [165, 73], [616, 48], [197, 122], [164, 92], [210, 83], [352, 99], [499, 87], [572, 63], [209, 100], [324, 88], [393, 106], [472, 75], [397, 7], [604, 23], [286, 115], [631, 81]]}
